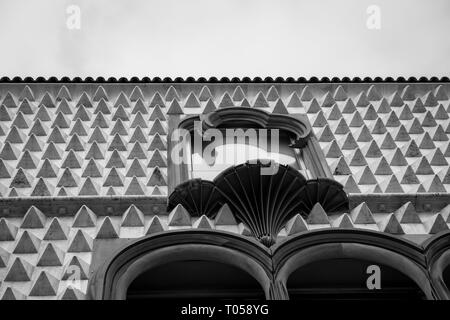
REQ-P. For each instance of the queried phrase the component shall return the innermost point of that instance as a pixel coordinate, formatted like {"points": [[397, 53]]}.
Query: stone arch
{"points": [[438, 256], [112, 280], [322, 245]]}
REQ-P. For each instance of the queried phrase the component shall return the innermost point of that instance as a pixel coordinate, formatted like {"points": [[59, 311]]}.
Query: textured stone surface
{"points": [[90, 139], [42, 261], [79, 140], [381, 140]]}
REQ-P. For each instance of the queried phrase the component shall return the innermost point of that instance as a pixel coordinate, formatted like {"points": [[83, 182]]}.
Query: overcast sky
{"points": [[224, 38]]}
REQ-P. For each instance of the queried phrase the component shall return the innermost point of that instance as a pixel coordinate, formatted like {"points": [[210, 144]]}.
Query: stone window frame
{"points": [[307, 146]]}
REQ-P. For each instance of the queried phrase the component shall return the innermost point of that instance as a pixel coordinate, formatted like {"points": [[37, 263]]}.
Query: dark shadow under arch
{"points": [[350, 279], [194, 278]]}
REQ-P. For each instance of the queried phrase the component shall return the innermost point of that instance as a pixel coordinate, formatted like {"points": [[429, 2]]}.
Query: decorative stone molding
{"points": [[237, 117], [264, 203]]}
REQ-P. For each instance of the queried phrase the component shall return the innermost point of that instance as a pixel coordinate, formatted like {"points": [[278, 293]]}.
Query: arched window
{"points": [[351, 264], [212, 142], [185, 264], [226, 157]]}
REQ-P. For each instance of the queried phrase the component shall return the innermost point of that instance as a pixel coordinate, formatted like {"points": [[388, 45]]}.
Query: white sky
{"points": [[224, 38]]}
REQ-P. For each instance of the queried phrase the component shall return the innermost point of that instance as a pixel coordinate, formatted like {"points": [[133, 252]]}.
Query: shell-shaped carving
{"points": [[199, 197], [263, 195], [262, 201], [329, 193]]}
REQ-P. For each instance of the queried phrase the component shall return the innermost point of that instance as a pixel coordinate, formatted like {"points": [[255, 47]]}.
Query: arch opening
{"points": [[351, 279], [173, 264], [195, 279]]}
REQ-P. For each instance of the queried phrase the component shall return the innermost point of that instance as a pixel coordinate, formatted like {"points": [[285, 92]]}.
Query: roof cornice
{"points": [[225, 80]]}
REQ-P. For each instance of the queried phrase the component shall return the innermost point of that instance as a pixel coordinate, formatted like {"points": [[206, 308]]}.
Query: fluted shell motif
{"points": [[329, 193], [199, 197], [263, 202]]}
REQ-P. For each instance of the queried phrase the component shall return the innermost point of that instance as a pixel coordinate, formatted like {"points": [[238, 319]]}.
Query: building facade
{"points": [[111, 189]]}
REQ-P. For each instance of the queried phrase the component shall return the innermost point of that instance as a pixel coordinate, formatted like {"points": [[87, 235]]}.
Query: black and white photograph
{"points": [[224, 155]]}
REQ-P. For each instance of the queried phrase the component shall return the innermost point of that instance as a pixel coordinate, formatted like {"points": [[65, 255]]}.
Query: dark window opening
{"points": [[195, 279], [346, 279]]}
